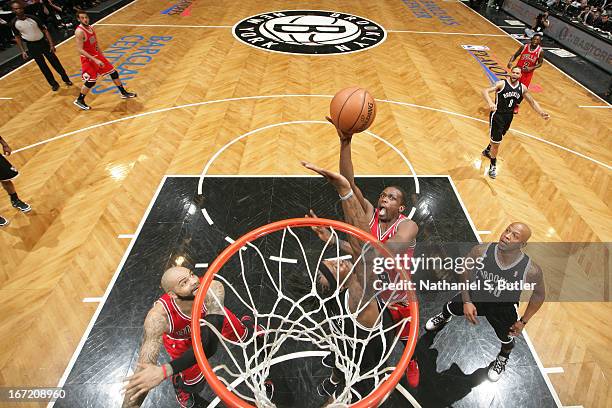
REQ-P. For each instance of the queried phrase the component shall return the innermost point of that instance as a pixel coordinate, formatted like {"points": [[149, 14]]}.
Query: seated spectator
{"points": [[592, 17], [585, 14], [603, 23]]}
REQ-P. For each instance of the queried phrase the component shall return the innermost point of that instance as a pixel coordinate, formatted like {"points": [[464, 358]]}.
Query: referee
{"points": [[34, 33]]}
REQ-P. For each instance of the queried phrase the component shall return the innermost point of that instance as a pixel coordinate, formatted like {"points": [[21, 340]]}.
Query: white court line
{"points": [[483, 232], [93, 319], [444, 33], [74, 132], [6, 99], [573, 406], [511, 26], [283, 260], [201, 265], [207, 216], [69, 38], [164, 25], [554, 370], [228, 239], [595, 106], [125, 236], [549, 63], [336, 258], [527, 339], [92, 300]]}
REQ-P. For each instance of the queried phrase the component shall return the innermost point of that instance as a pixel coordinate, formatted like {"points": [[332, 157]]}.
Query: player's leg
{"points": [[187, 386], [109, 69], [87, 85], [399, 312], [453, 308], [501, 319], [497, 129], [7, 173]]}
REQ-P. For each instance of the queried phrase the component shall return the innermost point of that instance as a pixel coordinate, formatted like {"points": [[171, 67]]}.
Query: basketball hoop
{"points": [[253, 369]]}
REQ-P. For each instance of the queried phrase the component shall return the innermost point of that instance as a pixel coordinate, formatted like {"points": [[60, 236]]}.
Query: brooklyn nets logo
{"points": [[309, 32]]}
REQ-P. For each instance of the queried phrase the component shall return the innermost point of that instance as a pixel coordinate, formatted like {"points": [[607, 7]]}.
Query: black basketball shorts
{"points": [[499, 123], [7, 171]]}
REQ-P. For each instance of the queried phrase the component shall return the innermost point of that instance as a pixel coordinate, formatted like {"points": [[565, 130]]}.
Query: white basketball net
{"points": [[251, 360]]}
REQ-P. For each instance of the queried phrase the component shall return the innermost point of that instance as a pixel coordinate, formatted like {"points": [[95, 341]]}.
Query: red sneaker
{"points": [[412, 374], [251, 329]]}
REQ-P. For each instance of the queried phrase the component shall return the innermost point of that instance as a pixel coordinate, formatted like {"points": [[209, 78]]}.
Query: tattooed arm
{"points": [[155, 325]]}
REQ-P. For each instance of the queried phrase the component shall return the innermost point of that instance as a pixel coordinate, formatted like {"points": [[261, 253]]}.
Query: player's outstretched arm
{"points": [[346, 167], [154, 327], [534, 104]]}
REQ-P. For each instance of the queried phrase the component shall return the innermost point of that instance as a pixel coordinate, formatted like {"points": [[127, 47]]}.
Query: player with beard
{"points": [[388, 224], [169, 323], [508, 94], [503, 263], [357, 306], [93, 61]]}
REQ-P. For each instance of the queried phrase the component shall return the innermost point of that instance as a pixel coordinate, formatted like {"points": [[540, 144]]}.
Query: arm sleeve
{"points": [[209, 344]]}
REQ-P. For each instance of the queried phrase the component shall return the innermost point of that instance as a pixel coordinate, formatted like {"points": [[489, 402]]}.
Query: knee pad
{"points": [[90, 84], [114, 75]]}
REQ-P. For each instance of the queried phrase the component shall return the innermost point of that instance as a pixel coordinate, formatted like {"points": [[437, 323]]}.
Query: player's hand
{"points": [[470, 312], [24, 55], [148, 377], [344, 136], [6, 149], [509, 65], [545, 115], [322, 232], [492, 107], [98, 62], [342, 185], [516, 329]]}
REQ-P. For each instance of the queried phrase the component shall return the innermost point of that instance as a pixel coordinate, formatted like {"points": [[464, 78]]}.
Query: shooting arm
{"points": [[346, 169]]}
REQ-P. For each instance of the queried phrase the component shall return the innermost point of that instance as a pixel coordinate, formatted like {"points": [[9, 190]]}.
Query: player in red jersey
{"points": [[169, 323], [389, 225], [93, 62], [530, 58]]}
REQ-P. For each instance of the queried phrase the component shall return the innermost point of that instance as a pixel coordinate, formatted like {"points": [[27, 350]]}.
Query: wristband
{"points": [[347, 196], [522, 321], [164, 370]]}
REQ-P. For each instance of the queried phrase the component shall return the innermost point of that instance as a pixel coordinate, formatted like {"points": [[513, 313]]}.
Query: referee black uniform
{"points": [[33, 32], [505, 100]]}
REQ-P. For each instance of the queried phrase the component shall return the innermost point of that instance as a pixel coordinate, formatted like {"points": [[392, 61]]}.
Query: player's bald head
{"points": [[523, 229], [171, 277]]}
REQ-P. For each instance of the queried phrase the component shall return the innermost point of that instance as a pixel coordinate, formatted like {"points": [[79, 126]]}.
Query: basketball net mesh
{"points": [[307, 320]]}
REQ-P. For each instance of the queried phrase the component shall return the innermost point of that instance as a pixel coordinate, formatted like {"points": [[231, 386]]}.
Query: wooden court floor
{"points": [[90, 175]]}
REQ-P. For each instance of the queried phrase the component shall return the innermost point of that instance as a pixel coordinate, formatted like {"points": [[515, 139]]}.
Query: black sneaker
{"points": [[81, 104], [496, 368], [21, 206], [68, 83], [437, 322], [128, 95], [3, 221], [486, 153], [327, 388], [54, 87]]}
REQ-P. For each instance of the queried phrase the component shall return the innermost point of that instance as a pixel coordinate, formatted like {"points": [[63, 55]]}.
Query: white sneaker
{"points": [[493, 172], [437, 322], [497, 368]]}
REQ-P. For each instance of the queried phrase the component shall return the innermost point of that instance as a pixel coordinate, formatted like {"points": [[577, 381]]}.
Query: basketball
{"points": [[352, 109]]}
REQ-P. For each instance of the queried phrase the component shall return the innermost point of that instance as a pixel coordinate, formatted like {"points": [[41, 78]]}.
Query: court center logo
{"points": [[309, 32]]}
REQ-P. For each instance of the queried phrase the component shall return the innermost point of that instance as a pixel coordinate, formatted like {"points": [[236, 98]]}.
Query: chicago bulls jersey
{"points": [[90, 44], [529, 58], [383, 236], [178, 339]]}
